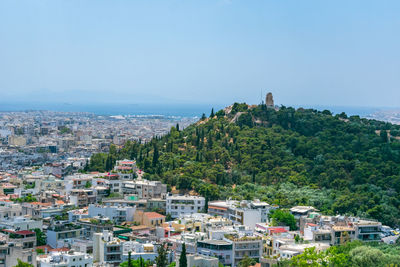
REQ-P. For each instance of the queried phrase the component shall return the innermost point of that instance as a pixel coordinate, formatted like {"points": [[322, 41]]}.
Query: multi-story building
{"points": [[222, 249], [138, 250], [34, 209], [117, 214], [59, 233], [250, 246], [367, 230], [247, 213], [178, 206], [21, 223], [145, 189], [82, 197], [82, 245], [65, 259], [107, 249], [21, 245], [342, 233], [313, 232], [10, 211], [49, 182], [94, 225], [74, 215]]}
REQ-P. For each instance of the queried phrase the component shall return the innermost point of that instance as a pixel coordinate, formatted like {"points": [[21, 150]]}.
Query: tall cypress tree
{"points": [[206, 204], [212, 113], [155, 155], [161, 259], [141, 261], [182, 258], [129, 259]]}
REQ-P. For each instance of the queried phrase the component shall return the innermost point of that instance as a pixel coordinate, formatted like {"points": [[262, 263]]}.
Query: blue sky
{"points": [[344, 53]]}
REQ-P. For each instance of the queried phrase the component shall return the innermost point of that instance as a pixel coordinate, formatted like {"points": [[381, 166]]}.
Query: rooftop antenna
{"points": [[261, 97]]}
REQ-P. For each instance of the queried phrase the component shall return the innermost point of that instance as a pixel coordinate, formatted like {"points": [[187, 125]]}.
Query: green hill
{"points": [[339, 164]]}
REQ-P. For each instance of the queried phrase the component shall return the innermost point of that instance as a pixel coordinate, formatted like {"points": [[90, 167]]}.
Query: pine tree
{"points": [[182, 258], [177, 127], [212, 113], [203, 117]]}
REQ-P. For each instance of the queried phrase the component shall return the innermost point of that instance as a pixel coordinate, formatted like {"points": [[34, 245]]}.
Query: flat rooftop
{"points": [[215, 242]]}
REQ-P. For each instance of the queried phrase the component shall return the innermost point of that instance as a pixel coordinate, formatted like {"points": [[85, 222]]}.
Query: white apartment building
{"points": [[10, 211], [139, 250], [179, 206], [75, 215], [145, 189], [21, 223], [107, 249], [117, 214], [19, 245], [65, 259], [247, 213]]}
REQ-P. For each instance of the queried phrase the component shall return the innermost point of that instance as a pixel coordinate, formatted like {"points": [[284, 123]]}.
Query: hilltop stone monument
{"points": [[269, 100]]}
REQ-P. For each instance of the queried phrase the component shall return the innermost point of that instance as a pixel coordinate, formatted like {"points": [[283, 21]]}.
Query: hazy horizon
{"points": [[212, 52]]}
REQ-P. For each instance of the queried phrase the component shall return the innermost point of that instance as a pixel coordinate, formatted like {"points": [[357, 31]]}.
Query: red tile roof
{"points": [[25, 232], [127, 162], [277, 230]]}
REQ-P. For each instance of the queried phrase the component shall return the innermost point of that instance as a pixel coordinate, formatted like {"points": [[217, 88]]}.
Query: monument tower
{"points": [[269, 100]]}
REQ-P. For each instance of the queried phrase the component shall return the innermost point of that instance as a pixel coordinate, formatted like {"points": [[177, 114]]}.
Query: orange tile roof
{"points": [[153, 215]]}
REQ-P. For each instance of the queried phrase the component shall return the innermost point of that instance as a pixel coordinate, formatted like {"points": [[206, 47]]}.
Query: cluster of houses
{"points": [[101, 219], [66, 139]]}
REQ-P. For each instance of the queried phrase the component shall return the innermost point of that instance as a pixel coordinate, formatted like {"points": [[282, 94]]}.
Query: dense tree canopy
{"points": [[351, 254], [339, 164], [285, 218]]}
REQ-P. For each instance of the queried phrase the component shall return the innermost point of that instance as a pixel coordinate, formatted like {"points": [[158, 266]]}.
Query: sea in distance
{"points": [[165, 109]]}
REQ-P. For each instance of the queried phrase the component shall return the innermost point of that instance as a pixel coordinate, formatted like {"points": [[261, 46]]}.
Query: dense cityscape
{"points": [[55, 211], [33, 138], [218, 133]]}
